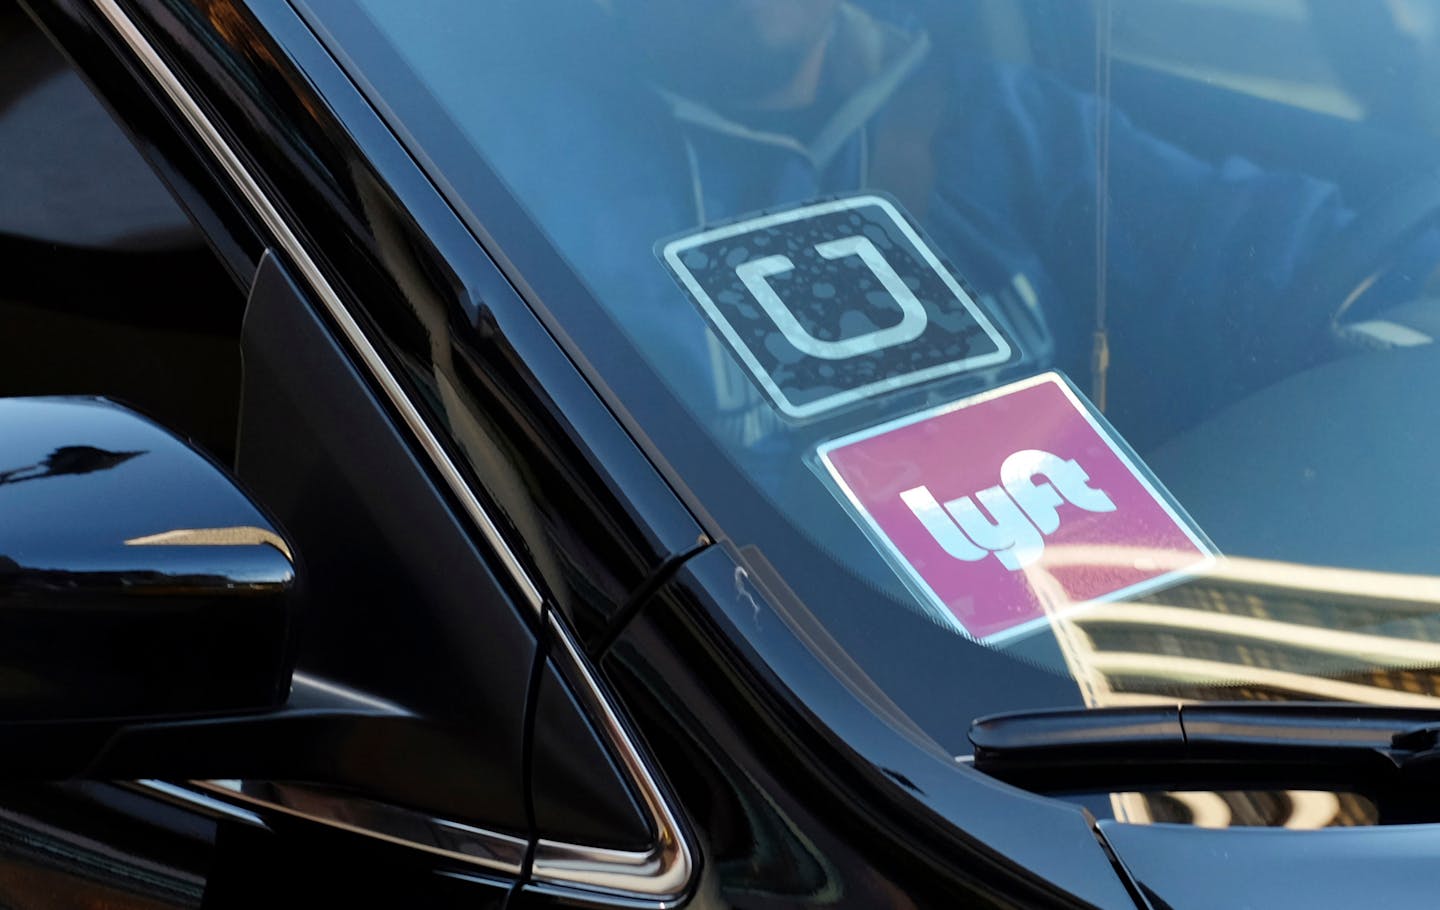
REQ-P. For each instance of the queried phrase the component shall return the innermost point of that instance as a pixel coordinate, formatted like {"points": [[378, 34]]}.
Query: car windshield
{"points": [[1034, 351]]}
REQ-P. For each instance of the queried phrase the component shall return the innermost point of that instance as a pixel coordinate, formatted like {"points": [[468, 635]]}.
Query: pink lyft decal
{"points": [[1011, 507]]}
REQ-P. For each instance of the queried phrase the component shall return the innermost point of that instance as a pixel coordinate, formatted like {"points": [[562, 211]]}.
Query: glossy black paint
{"points": [[852, 811], [402, 606], [94, 842], [589, 516], [176, 155], [580, 795], [587, 513], [1184, 868], [562, 479], [136, 580], [260, 867], [594, 523], [310, 738], [789, 805]]}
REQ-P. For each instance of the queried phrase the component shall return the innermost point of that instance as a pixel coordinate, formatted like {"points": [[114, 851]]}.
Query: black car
{"points": [[754, 453]]}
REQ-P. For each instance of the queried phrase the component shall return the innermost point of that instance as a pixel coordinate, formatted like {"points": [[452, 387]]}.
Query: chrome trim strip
{"points": [[666, 867], [317, 283], [469, 844], [659, 876], [194, 799]]}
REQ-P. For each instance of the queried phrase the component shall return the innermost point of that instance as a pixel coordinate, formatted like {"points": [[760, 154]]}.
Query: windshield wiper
{"points": [[1380, 751]]}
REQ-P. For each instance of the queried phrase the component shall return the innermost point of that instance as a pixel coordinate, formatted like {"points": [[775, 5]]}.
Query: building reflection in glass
{"points": [[1249, 630]]}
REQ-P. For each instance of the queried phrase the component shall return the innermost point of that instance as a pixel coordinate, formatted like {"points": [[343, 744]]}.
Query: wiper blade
{"points": [[1216, 745]]}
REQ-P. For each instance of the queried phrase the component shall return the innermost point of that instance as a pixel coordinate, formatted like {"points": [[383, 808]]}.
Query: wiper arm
{"points": [[1367, 749]]}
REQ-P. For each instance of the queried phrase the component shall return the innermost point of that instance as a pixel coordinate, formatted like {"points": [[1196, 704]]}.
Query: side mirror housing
{"points": [[136, 580]]}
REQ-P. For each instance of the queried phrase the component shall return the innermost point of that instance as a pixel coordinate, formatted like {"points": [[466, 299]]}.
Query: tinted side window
{"points": [[107, 288]]}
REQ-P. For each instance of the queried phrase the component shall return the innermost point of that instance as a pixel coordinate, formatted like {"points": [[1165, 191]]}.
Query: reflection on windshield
{"points": [[1299, 810], [1257, 630], [800, 233]]}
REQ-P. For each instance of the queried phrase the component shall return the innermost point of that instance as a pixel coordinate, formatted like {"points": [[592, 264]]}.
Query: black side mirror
{"points": [[146, 615], [136, 580]]}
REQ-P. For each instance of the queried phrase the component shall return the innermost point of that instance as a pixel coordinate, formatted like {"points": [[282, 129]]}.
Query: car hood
{"points": [[1181, 867]]}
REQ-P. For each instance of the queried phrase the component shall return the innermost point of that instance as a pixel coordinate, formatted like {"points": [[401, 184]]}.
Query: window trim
{"points": [[658, 877]]}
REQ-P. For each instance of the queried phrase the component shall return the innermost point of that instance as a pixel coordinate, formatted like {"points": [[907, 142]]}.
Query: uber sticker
{"points": [[1009, 508], [834, 302]]}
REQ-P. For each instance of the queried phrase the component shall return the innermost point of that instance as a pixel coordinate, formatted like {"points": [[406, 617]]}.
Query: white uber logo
{"points": [[754, 275], [832, 303], [1017, 514]]}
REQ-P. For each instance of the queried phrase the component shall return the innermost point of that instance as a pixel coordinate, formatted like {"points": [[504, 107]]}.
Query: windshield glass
{"points": [[1039, 350]]}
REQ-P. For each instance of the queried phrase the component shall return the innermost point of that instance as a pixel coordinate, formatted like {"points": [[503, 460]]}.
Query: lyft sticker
{"points": [[831, 303], [1007, 509]]}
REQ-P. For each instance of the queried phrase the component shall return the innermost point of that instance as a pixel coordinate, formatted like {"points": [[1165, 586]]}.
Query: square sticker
{"points": [[1014, 506], [835, 302]]}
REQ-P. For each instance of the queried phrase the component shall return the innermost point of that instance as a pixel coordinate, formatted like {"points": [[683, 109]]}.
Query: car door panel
{"points": [[82, 845], [295, 863], [132, 848]]}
